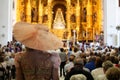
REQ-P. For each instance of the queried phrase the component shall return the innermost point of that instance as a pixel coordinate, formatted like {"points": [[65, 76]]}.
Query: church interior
{"points": [[94, 24], [73, 20], [67, 19]]}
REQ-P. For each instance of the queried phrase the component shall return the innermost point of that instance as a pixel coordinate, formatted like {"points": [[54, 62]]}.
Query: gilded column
{"points": [[89, 14], [40, 12], [68, 18], [18, 10], [94, 34], [87, 34], [99, 15], [78, 18], [28, 12], [49, 14], [89, 17], [22, 11]]}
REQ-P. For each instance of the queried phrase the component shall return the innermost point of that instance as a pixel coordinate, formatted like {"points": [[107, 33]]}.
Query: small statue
{"points": [[34, 15]]}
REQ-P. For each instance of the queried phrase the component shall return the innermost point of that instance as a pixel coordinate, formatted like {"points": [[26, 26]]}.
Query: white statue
{"points": [[59, 22]]}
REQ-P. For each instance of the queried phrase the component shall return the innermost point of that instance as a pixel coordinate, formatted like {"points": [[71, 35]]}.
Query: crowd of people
{"points": [[7, 54], [39, 55], [91, 63], [95, 61]]}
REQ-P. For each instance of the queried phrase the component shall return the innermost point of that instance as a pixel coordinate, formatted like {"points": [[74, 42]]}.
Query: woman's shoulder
{"points": [[18, 56]]}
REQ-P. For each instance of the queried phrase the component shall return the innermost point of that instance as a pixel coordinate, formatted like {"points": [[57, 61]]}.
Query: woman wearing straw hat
{"points": [[36, 62]]}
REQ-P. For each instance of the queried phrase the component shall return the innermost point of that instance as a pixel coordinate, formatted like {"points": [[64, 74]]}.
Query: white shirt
{"points": [[96, 72], [68, 66]]}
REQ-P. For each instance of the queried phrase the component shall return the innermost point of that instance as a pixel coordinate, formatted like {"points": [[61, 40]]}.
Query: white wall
{"points": [[118, 23], [5, 21], [118, 14], [110, 21], [14, 12]]}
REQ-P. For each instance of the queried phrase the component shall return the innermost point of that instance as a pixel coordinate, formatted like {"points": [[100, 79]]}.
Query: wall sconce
{"points": [[3, 26], [118, 27]]}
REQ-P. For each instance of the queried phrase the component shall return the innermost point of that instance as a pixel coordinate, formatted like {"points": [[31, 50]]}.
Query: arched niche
{"points": [[55, 9], [63, 8]]}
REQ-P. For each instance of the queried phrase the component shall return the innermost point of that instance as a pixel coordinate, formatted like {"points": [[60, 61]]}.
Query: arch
{"points": [[63, 8], [64, 3]]}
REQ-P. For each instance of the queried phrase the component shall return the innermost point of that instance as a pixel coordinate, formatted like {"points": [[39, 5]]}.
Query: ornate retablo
{"points": [[64, 16]]}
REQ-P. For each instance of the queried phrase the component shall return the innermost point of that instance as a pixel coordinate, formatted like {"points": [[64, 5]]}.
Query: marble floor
{"points": [[61, 78]]}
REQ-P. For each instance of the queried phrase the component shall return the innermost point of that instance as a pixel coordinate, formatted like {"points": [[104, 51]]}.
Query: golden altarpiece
{"points": [[64, 18]]}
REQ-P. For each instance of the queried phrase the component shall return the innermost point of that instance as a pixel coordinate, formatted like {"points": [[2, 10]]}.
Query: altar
{"points": [[64, 16]]}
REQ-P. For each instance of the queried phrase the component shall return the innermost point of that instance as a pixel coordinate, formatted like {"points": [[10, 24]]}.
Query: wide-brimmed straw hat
{"points": [[36, 36]]}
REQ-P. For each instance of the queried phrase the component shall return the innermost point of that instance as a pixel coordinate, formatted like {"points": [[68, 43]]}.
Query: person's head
{"points": [[78, 77], [61, 49], [92, 58], [75, 49], [7, 58], [113, 73], [114, 59], [70, 49], [79, 62], [98, 62], [72, 57], [106, 65]]}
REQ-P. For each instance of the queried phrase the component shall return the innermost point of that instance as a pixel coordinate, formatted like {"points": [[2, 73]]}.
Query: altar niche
{"points": [[59, 21]]}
